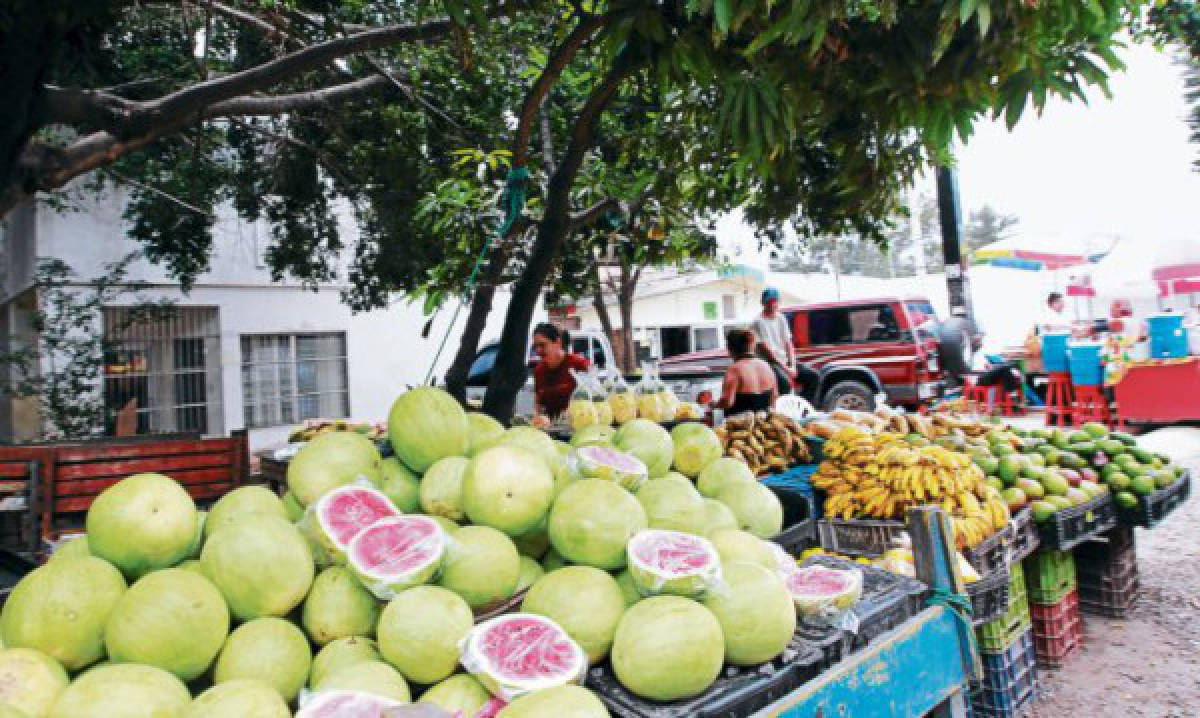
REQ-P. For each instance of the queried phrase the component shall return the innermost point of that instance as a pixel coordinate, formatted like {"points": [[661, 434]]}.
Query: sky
{"points": [[1111, 166]]}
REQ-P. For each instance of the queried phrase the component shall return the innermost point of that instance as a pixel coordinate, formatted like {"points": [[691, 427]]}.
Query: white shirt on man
{"points": [[1052, 321], [775, 334]]}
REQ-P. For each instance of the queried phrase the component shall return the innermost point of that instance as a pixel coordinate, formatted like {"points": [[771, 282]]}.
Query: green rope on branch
{"points": [[513, 201]]}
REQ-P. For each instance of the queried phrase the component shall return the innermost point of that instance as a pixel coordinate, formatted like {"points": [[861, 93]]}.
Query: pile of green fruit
{"points": [[1054, 469]]}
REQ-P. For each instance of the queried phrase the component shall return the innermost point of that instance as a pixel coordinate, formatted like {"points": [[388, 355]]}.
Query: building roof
{"points": [[659, 282]]}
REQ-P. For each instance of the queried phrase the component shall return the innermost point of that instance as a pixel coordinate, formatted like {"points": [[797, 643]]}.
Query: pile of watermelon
{"points": [[362, 588]]}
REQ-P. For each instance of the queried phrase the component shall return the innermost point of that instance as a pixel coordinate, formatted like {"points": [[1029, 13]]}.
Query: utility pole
{"points": [[950, 218]]}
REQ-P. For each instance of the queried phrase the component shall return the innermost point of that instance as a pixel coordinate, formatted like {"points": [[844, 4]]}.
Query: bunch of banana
{"points": [[881, 477], [768, 443], [312, 428]]}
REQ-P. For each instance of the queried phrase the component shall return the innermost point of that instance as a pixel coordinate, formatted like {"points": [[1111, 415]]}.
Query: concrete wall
{"points": [[385, 350]]}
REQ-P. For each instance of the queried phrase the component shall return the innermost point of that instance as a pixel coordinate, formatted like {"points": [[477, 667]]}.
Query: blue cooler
{"points": [[1083, 359], [1168, 340], [1054, 351]]}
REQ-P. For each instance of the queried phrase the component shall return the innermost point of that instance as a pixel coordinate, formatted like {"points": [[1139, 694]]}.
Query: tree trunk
{"points": [[481, 307], [602, 313], [625, 302], [509, 372]]}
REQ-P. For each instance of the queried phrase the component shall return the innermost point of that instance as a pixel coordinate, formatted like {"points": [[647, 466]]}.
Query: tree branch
{"points": [[273, 32], [593, 214], [296, 101], [559, 58]]}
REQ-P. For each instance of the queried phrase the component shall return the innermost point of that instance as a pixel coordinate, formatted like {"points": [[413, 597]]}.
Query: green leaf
{"points": [[984, 15], [723, 12], [1016, 105], [966, 9]]}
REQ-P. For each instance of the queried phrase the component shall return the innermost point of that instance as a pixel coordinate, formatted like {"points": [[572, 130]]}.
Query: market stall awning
{"points": [[1031, 260]]}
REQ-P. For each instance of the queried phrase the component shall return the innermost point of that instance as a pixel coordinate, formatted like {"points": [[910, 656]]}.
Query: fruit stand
{"points": [[1159, 391], [632, 571]]}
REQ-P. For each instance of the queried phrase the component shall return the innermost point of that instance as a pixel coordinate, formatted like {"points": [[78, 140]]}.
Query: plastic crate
{"points": [[854, 537], [1024, 534], [833, 644], [1057, 630], [1113, 599], [1152, 509], [1110, 555], [798, 538], [992, 553], [999, 635], [1066, 528], [795, 492], [1049, 575], [1009, 681], [989, 597]]}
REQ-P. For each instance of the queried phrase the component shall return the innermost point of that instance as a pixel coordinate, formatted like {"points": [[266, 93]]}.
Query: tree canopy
{"points": [[816, 112]]}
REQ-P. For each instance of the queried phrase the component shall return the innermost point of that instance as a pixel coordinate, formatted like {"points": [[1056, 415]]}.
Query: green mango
{"points": [[1117, 481], [1043, 510], [1141, 454], [989, 464], [1126, 500], [1095, 430], [1112, 447], [1124, 438], [1078, 437], [1142, 485], [1083, 448]]}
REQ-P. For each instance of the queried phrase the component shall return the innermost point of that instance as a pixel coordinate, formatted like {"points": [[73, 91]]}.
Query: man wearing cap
{"points": [[775, 342]]}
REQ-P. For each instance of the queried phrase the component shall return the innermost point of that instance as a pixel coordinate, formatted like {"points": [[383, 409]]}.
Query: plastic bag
{"points": [[648, 404], [604, 412], [826, 596], [621, 398], [667, 401], [581, 410]]}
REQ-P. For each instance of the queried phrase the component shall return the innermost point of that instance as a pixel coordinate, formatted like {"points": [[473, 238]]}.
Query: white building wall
{"points": [[385, 351]]}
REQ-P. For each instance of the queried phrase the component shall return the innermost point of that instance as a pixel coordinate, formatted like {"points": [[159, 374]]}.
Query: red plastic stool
{"points": [[1060, 400], [993, 397], [1092, 405]]}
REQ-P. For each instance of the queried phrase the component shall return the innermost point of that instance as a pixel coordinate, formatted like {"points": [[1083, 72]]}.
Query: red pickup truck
{"points": [[864, 350]]}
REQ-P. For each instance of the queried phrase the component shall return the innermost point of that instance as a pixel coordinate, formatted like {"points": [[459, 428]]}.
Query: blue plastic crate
{"points": [[1168, 338], [1054, 351], [795, 482], [1083, 359], [1009, 680]]}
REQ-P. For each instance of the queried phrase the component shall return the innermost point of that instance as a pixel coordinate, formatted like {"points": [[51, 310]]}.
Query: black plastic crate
{"points": [[991, 553], [1114, 599], [738, 691], [797, 538], [1009, 681], [1067, 528], [1152, 509], [989, 597], [1024, 535], [854, 537], [1108, 557], [831, 643]]}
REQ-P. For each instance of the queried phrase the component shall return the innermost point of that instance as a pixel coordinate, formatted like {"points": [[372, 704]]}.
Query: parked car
{"points": [[865, 350], [695, 384]]}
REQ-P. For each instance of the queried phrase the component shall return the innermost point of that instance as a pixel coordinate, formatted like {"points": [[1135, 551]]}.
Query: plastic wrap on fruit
{"points": [[604, 412], [826, 596], [518, 653], [648, 404], [669, 403], [581, 410]]}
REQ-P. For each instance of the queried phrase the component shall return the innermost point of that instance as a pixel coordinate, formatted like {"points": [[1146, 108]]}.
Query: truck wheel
{"points": [[850, 395]]}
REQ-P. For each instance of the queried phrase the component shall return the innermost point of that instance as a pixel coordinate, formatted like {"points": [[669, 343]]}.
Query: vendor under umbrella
{"points": [[552, 380]]}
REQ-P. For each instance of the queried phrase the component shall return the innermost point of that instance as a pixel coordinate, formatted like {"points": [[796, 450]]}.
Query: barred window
{"points": [[163, 375], [287, 378]]}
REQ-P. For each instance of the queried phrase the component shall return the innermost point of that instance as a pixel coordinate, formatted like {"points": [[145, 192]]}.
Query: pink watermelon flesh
{"points": [[347, 704], [818, 580], [523, 648], [491, 709], [671, 553], [606, 456], [348, 510], [397, 546]]}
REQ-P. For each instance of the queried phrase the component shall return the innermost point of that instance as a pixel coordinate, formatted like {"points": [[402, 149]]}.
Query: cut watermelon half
{"points": [[396, 553], [518, 653], [672, 562], [347, 704], [337, 517], [605, 462], [822, 592]]}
